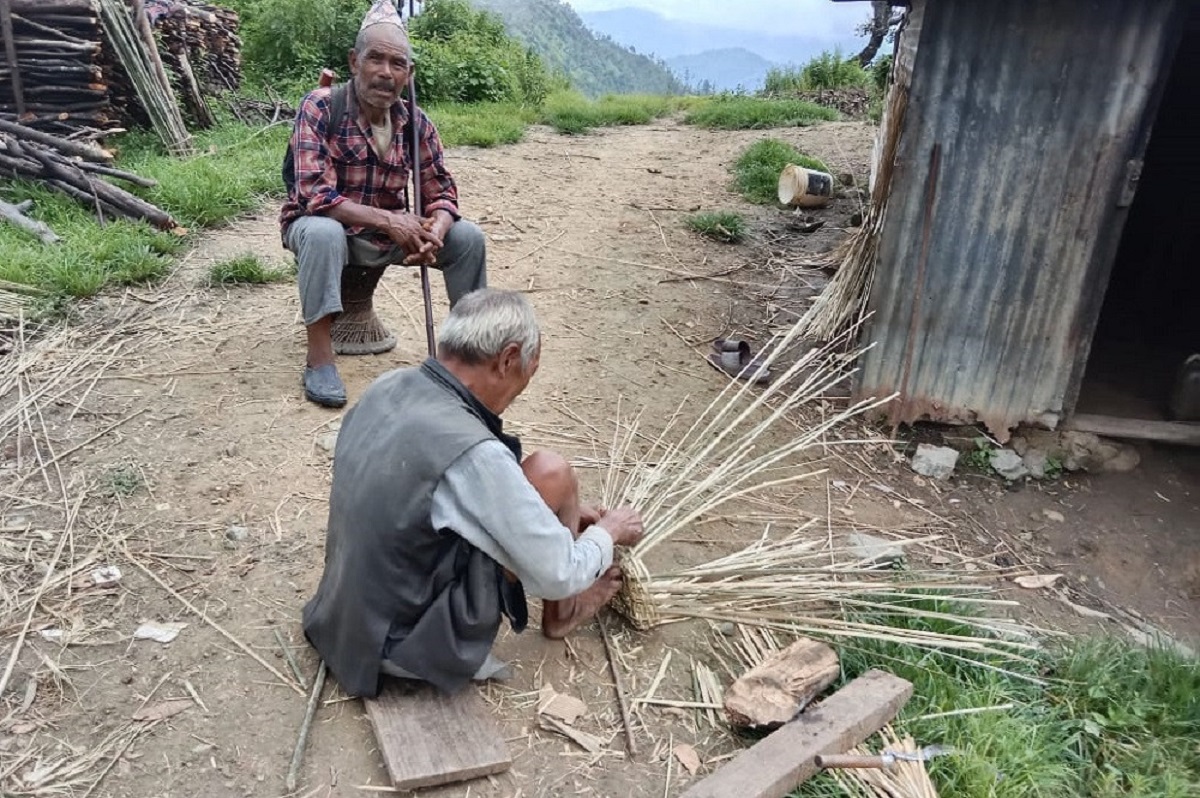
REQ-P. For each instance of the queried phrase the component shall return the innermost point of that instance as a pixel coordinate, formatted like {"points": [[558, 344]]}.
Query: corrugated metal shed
{"points": [[1007, 203]]}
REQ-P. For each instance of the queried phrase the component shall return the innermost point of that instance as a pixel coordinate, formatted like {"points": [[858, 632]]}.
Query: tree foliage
{"points": [[595, 65], [462, 54]]}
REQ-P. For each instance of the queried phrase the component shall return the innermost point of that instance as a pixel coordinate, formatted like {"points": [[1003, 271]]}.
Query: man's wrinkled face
{"points": [[381, 67]]}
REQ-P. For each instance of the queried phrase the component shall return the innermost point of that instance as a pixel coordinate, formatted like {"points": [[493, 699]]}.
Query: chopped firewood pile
{"points": [[61, 72], [73, 168]]}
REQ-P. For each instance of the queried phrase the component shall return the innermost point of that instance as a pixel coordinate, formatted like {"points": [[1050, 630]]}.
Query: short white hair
{"points": [[482, 323]]}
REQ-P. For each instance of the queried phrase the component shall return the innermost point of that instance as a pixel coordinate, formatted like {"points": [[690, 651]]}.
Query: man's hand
{"points": [[436, 227], [409, 233], [624, 524], [438, 224], [590, 514]]}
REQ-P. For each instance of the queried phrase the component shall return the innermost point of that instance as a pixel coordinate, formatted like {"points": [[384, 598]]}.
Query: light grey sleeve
{"points": [[485, 497]]}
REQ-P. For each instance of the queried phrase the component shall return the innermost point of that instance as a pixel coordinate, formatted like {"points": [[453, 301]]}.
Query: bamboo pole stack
{"points": [[131, 39]]}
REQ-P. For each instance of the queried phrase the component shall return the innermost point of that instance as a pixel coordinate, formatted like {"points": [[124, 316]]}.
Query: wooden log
{"points": [[783, 760], [782, 685], [88, 152], [26, 22], [1182, 433], [108, 171], [196, 101], [14, 215], [10, 52]]}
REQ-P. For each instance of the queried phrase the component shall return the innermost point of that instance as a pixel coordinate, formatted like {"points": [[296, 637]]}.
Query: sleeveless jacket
{"points": [[393, 585]]}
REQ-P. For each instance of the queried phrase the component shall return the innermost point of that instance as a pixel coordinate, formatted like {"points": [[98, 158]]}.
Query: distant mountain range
{"points": [[594, 63], [724, 57], [721, 70]]}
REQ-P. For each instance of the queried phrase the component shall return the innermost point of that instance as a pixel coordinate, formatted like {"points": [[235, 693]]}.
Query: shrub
{"points": [[462, 55], [830, 70]]}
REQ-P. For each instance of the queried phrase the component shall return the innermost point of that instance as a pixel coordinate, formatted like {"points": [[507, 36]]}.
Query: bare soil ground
{"points": [[167, 434]]}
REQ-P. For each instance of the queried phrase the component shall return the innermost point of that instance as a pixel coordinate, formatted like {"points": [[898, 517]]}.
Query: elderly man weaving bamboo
{"points": [[437, 527], [347, 166]]}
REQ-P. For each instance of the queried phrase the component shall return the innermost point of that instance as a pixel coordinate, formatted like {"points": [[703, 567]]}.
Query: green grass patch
{"points": [[235, 168], [1112, 719], [482, 124], [90, 256], [724, 226], [247, 268], [571, 113], [756, 113], [757, 170]]}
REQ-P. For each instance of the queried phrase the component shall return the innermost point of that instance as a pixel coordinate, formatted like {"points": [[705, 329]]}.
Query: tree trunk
{"points": [[876, 30]]}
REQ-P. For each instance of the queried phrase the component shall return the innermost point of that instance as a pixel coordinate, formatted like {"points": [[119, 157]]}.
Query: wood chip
{"points": [[163, 709], [564, 707], [688, 757], [588, 742], [1037, 581]]}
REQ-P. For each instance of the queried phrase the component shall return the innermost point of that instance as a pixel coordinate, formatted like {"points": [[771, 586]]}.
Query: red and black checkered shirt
{"points": [[333, 169]]}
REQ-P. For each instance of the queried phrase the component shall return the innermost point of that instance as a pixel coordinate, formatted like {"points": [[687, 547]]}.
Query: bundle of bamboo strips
{"points": [[75, 169], [843, 303], [798, 584]]}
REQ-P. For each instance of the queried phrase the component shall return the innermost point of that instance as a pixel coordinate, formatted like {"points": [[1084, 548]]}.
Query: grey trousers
{"points": [[322, 248]]}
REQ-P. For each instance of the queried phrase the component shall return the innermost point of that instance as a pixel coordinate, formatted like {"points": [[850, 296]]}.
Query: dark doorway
{"points": [[1150, 320]]}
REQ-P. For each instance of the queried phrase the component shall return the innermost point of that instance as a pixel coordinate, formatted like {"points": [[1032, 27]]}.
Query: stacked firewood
{"points": [[59, 84], [73, 168], [852, 102], [70, 80]]}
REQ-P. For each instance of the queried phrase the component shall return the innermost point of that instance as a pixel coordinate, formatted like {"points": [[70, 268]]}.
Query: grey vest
{"points": [[393, 585]]}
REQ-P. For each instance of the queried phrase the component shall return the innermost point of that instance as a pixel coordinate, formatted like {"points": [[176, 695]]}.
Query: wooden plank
{"points": [[429, 738], [1178, 432], [780, 762]]}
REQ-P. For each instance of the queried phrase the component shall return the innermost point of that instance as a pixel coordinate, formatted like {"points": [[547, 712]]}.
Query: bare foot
{"points": [[559, 618]]}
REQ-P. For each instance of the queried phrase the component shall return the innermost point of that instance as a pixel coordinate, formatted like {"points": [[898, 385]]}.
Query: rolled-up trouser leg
{"points": [[462, 259], [319, 244]]}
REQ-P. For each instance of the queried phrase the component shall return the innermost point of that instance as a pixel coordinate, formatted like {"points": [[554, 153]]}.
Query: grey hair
{"points": [[364, 35], [485, 321]]}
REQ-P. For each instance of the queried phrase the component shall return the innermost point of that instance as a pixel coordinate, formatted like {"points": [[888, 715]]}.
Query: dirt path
{"points": [[209, 468]]}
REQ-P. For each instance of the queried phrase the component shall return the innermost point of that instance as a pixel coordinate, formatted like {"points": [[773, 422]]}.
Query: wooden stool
{"points": [[357, 330]]}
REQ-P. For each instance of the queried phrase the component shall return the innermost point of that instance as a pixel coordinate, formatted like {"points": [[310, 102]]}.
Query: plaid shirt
{"points": [[333, 169]]}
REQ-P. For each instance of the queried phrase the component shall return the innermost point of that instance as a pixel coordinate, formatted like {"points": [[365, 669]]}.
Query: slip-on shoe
{"points": [[323, 386]]}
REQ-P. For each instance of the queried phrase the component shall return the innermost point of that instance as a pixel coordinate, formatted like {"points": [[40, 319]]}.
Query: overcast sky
{"points": [[819, 18]]}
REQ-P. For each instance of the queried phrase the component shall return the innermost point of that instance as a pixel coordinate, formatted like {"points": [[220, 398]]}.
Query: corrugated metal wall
{"points": [[1003, 218]]}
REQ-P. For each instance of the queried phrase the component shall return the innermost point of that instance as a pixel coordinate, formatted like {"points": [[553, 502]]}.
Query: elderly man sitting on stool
{"points": [[346, 216], [437, 527]]}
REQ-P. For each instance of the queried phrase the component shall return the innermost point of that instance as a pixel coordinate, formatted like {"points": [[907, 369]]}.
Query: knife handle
{"points": [[849, 761]]}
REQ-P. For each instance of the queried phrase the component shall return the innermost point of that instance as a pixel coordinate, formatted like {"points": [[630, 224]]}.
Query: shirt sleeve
{"points": [[316, 174], [438, 189], [486, 499]]}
